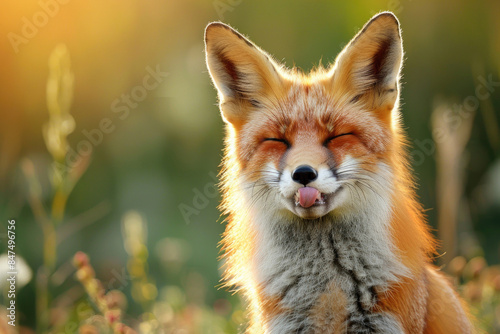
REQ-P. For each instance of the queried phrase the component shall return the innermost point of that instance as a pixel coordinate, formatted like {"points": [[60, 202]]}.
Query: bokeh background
{"points": [[140, 197]]}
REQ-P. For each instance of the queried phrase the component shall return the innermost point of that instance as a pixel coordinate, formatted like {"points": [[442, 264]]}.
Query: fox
{"points": [[324, 231]]}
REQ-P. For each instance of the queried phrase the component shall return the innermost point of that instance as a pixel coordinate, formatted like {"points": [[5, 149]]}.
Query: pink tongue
{"points": [[307, 196]]}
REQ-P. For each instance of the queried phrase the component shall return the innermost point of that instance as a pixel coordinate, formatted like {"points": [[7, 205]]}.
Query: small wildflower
{"points": [[85, 274], [80, 259], [99, 323], [122, 329], [112, 316], [457, 265], [110, 305], [88, 329], [115, 299], [475, 267]]}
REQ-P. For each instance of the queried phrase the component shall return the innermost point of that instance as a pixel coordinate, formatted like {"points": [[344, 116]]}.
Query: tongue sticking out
{"points": [[307, 196]]}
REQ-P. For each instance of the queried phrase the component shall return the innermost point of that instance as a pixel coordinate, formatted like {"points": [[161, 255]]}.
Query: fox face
{"points": [[314, 158], [307, 146]]}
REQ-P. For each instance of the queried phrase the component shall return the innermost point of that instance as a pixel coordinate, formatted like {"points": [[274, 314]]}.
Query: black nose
{"points": [[304, 174]]}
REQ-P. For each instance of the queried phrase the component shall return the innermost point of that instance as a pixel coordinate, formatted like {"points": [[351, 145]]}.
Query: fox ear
{"points": [[242, 73], [368, 68]]}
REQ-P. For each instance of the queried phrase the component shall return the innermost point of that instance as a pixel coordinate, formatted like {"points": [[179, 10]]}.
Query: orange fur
{"points": [[330, 311], [357, 96]]}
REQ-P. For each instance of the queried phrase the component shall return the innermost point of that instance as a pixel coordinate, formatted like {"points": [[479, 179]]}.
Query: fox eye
{"points": [[329, 139], [278, 140]]}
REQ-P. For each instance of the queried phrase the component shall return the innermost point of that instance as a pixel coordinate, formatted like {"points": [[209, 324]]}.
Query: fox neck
{"points": [[344, 259]]}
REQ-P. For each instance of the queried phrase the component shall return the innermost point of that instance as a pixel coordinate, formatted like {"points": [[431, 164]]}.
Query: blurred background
{"points": [[110, 141]]}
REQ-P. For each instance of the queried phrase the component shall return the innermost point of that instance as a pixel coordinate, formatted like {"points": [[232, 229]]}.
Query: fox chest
{"points": [[323, 282]]}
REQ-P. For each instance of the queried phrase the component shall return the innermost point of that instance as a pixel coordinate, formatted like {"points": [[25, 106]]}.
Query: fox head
{"points": [[310, 145]]}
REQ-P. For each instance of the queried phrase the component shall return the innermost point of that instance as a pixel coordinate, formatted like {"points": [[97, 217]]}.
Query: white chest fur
{"points": [[297, 261]]}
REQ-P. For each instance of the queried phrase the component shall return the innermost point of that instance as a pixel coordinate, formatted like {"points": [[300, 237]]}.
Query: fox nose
{"points": [[304, 174]]}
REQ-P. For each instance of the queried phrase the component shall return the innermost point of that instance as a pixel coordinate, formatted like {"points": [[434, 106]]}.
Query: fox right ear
{"points": [[242, 73]]}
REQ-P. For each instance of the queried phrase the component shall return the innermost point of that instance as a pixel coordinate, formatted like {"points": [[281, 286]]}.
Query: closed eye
{"points": [[279, 140], [329, 139]]}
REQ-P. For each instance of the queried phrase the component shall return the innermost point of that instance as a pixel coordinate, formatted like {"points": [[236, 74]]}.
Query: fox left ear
{"points": [[368, 68], [245, 76]]}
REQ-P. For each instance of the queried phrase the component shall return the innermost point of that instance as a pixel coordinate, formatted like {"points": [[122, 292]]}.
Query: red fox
{"points": [[324, 232]]}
